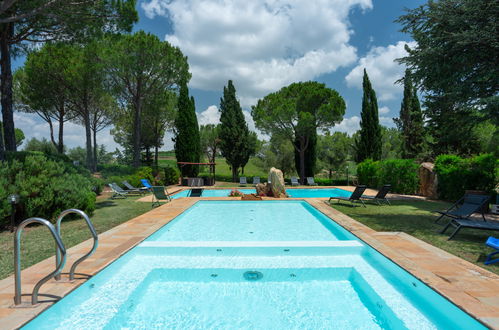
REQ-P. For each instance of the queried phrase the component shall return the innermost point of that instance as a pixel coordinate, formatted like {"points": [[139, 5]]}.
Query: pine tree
{"points": [[410, 122], [187, 138], [369, 143], [235, 143]]}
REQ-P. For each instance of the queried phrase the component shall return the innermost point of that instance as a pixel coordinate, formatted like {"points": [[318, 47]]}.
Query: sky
{"points": [[263, 46]]}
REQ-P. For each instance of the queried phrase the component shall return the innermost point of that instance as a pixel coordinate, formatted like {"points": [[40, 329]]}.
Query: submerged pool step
{"points": [[260, 248]]}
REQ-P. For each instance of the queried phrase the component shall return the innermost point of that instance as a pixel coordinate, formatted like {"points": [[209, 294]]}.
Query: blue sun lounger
{"points": [[493, 243]]}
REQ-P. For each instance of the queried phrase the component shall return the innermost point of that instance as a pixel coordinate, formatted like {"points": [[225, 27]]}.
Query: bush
{"points": [[456, 174], [45, 187], [368, 173], [402, 174], [171, 175], [108, 170]]}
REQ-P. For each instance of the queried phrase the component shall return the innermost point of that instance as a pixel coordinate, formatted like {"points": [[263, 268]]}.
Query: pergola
{"points": [[182, 164]]}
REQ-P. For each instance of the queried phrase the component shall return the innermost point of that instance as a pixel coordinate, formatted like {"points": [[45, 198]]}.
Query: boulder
{"points": [[262, 189], [428, 181], [277, 183], [251, 197]]}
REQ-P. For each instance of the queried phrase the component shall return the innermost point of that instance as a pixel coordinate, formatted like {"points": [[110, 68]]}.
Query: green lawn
{"points": [[416, 218], [37, 244]]}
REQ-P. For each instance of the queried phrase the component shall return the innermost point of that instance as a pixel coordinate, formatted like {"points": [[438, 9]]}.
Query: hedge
{"points": [[402, 174], [456, 174], [46, 188]]}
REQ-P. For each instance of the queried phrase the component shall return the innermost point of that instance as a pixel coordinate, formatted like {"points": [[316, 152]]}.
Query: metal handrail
{"points": [[17, 259], [88, 254]]}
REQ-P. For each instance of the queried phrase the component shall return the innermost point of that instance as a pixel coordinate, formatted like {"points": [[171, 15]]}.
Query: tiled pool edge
{"points": [[478, 296]]}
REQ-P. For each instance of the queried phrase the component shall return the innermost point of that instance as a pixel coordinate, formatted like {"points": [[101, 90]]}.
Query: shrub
{"points": [[456, 174], [45, 187], [108, 170], [368, 172], [402, 174], [171, 176]]}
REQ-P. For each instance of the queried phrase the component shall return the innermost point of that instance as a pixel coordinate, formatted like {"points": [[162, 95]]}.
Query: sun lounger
{"points": [[146, 184], [493, 243], [131, 189], [256, 180], [380, 196], [464, 223], [196, 192], [159, 193], [311, 181], [294, 181], [243, 181], [195, 182], [117, 191], [354, 197], [465, 207]]}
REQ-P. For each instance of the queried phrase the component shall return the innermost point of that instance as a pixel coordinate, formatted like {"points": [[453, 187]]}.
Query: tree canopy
{"points": [[236, 143], [369, 143], [297, 111]]}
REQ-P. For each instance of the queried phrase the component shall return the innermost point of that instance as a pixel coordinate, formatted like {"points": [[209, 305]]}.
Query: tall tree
{"points": [[334, 150], [25, 22], [310, 155], [40, 88], [187, 139], [210, 142], [454, 63], [410, 121], [297, 111], [139, 66], [369, 143], [100, 117], [277, 152], [235, 143]]}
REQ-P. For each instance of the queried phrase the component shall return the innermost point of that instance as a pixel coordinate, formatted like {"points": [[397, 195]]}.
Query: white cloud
{"points": [[348, 125], [382, 70], [209, 116], [260, 45], [384, 110]]}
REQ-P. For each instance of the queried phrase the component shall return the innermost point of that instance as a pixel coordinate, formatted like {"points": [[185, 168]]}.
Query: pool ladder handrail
{"points": [[88, 254], [17, 259]]}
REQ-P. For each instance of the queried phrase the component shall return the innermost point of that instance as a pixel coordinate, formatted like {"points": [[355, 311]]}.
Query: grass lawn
{"points": [[416, 218], [37, 244]]}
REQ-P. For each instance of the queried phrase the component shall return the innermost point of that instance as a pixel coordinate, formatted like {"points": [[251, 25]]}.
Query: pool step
{"points": [[260, 248]]}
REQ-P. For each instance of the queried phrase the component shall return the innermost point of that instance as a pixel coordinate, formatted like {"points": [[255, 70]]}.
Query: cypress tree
{"points": [[234, 135], [369, 143], [410, 122], [187, 138]]}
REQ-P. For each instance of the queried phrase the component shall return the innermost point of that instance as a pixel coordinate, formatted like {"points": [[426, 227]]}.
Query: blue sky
{"points": [[265, 45]]}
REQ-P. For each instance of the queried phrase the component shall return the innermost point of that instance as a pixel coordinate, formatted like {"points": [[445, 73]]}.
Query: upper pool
{"points": [[251, 221], [293, 192]]}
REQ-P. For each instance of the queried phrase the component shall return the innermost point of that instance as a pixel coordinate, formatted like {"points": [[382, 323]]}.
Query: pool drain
{"points": [[252, 275]]}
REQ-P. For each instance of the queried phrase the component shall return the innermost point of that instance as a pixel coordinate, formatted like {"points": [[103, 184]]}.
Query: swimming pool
{"points": [[293, 192], [222, 280]]}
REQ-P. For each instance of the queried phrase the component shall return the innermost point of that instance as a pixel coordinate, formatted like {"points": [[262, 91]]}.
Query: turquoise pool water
{"points": [[293, 192], [172, 281]]}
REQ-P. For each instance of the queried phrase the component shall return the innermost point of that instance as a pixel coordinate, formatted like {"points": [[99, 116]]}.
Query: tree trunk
{"points": [[234, 173], [88, 135], [6, 87], [2, 150], [94, 131], [51, 128], [156, 152], [302, 165], [60, 145], [136, 132]]}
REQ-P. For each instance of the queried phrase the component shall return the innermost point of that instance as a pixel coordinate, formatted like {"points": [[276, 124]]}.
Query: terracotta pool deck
{"points": [[470, 287]]}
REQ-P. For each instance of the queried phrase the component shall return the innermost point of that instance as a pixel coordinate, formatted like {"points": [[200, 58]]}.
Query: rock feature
{"points": [[428, 181], [251, 197], [277, 183], [262, 189]]}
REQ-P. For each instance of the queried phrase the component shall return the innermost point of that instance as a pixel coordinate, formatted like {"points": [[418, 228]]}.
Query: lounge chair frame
{"points": [[354, 197], [493, 243], [311, 181], [243, 181], [256, 180], [132, 189], [459, 224], [294, 181], [465, 207], [380, 196], [117, 191], [159, 193]]}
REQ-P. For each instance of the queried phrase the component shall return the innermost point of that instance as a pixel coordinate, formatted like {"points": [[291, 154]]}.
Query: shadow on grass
{"points": [[103, 204]]}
